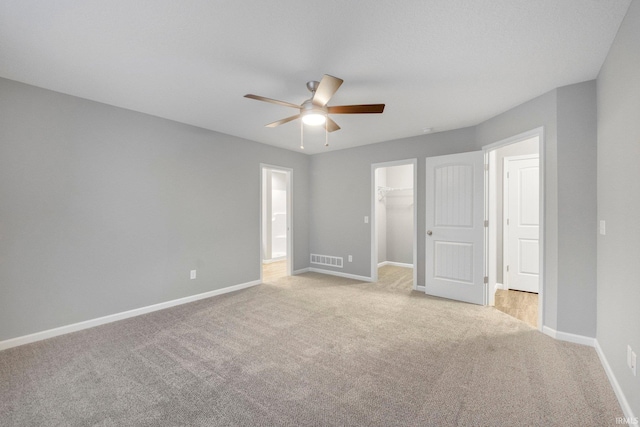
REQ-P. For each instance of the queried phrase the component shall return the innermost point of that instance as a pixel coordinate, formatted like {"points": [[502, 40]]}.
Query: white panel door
{"points": [[522, 259], [455, 227]]}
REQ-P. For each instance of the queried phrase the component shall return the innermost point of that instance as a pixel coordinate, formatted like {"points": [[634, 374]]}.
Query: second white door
{"points": [[522, 224]]}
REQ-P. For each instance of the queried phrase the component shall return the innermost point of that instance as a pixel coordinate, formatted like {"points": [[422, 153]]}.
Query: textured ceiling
{"points": [[442, 64]]}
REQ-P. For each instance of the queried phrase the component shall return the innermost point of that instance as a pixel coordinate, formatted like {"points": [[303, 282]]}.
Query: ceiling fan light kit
{"points": [[315, 111], [312, 114], [314, 118]]}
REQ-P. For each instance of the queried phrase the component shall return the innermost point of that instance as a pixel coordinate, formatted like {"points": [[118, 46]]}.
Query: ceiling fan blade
{"points": [[273, 101], [283, 121], [331, 125], [327, 87], [356, 109]]}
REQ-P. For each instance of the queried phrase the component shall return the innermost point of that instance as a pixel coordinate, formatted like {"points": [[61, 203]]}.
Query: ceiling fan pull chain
{"points": [[326, 133], [301, 135]]}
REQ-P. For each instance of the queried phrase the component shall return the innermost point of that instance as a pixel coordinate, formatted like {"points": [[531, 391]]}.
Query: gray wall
{"points": [[104, 210], [618, 269], [577, 208], [340, 189]]}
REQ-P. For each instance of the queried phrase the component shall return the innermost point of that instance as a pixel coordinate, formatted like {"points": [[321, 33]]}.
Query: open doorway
{"points": [[393, 225], [275, 229], [514, 233]]}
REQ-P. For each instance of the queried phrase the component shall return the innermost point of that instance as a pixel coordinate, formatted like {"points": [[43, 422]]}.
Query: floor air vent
{"points": [[331, 261]]}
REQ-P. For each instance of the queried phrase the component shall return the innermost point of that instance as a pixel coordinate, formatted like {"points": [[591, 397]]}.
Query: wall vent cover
{"points": [[331, 261]]}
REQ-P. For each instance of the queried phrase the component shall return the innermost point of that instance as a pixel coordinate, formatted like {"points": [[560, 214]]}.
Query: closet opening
{"points": [[393, 225], [275, 224]]}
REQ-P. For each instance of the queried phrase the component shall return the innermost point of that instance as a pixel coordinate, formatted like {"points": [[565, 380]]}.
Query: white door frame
{"points": [[289, 174], [539, 132], [505, 208], [374, 237]]}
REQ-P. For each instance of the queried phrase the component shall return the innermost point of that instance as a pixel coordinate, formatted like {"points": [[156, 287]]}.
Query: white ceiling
{"points": [[443, 64]]}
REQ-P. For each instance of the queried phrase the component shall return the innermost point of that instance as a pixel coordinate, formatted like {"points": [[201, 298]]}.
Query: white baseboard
{"points": [[272, 260], [396, 264], [420, 288], [624, 403], [301, 271], [50, 333], [500, 286], [565, 336], [339, 274]]}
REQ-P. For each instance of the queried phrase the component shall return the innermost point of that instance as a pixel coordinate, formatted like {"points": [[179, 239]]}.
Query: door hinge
{"points": [[486, 222], [486, 166], [486, 279], [507, 268], [507, 221]]}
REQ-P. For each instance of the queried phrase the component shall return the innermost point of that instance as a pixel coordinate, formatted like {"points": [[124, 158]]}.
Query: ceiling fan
{"points": [[315, 111]]}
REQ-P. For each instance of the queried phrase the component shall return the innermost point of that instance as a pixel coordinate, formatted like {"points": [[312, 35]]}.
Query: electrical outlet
{"points": [[350, 258], [603, 230], [192, 274], [366, 220], [634, 365]]}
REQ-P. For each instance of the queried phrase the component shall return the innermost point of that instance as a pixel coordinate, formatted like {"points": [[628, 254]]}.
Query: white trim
{"points": [[622, 400], [420, 288], [272, 260], [566, 336], [74, 327], [340, 274], [374, 238], [505, 228], [516, 138], [301, 271], [490, 233], [396, 264], [542, 233]]}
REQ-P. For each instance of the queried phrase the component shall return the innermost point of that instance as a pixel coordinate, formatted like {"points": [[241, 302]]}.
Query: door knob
{"points": [[429, 232]]}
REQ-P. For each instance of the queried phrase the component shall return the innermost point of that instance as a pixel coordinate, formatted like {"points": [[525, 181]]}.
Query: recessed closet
{"points": [[394, 215]]}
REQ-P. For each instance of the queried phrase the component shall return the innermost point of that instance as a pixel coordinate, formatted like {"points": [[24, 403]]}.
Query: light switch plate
{"points": [[192, 274], [602, 227]]}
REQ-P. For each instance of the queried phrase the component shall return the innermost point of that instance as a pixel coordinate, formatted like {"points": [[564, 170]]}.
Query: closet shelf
{"points": [[383, 190]]}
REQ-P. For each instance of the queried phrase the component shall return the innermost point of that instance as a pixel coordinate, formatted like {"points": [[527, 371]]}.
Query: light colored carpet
{"points": [[308, 350]]}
